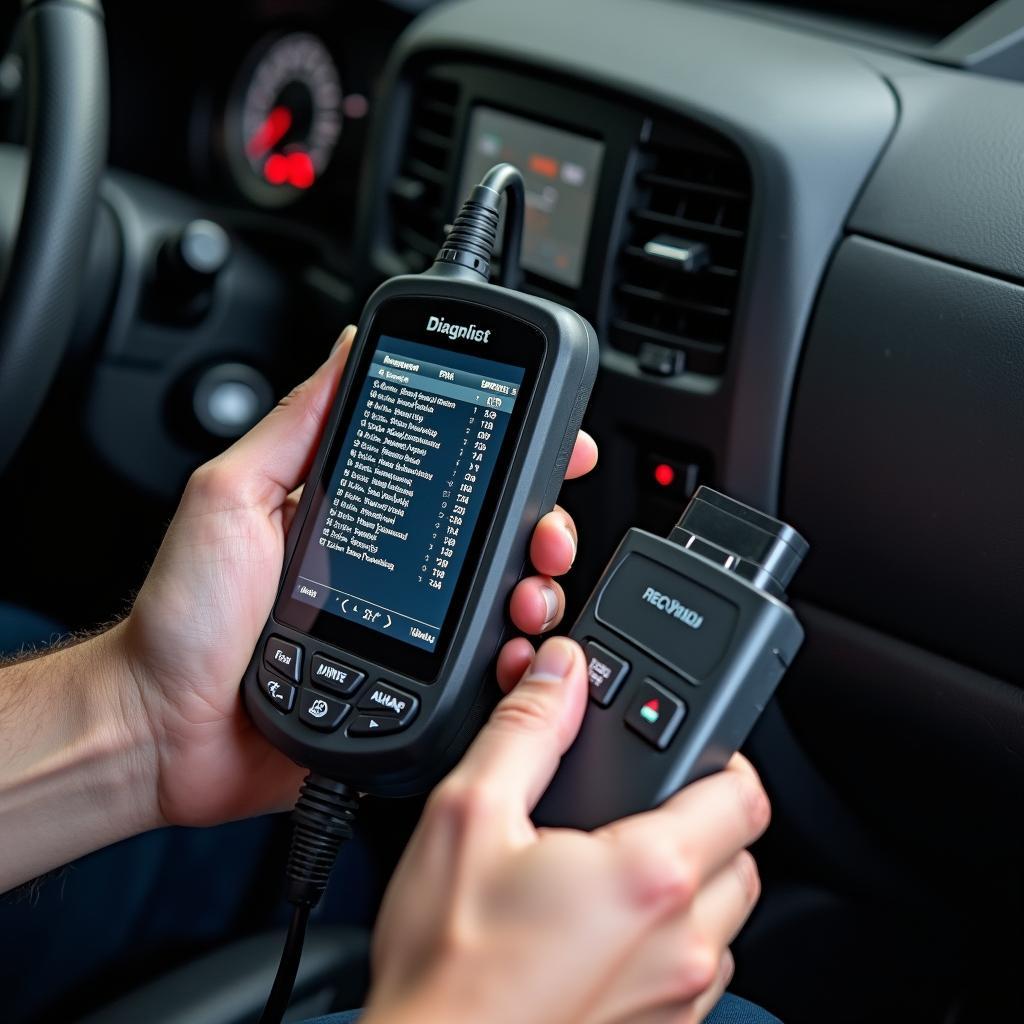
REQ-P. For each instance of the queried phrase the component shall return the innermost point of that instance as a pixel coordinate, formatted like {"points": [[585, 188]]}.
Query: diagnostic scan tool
{"points": [[449, 438]]}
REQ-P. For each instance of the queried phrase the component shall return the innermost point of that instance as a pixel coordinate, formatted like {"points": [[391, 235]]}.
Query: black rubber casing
{"points": [[725, 677], [454, 705]]}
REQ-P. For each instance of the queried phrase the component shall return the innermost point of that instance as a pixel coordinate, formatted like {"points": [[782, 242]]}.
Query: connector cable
{"points": [[321, 822], [470, 243], [323, 815]]}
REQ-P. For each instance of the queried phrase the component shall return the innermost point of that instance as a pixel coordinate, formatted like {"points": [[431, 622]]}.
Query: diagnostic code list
{"points": [[412, 473]]}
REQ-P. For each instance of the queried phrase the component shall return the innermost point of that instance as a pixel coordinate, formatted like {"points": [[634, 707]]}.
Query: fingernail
{"points": [[573, 541], [554, 659], [341, 337], [550, 607]]}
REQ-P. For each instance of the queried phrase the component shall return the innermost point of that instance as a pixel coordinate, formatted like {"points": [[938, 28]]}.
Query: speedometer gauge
{"points": [[284, 118]]}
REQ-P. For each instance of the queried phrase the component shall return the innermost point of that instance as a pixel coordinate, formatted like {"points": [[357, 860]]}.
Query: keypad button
{"points": [[334, 675], [374, 725], [283, 657], [277, 691], [323, 713], [382, 699], [606, 672], [655, 714]]}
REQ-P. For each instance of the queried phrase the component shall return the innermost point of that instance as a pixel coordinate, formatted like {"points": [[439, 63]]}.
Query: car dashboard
{"points": [[798, 235]]}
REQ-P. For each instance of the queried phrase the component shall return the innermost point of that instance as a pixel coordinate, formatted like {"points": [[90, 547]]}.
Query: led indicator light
{"points": [[295, 169], [649, 712], [664, 474], [275, 170]]}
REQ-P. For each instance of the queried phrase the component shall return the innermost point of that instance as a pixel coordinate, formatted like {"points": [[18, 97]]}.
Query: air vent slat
{"points": [[691, 191], [420, 187], [684, 224], [439, 107], [412, 239], [664, 338], [652, 295], [432, 139], [689, 185], [425, 171]]}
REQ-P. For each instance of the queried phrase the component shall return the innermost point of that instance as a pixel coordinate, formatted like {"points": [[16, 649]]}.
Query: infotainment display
{"points": [[560, 170]]}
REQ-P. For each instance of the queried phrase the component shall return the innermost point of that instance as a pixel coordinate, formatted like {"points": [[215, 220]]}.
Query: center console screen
{"points": [[560, 170]]}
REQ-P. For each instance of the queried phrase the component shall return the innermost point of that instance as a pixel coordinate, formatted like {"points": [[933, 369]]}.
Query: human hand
{"points": [[489, 919], [198, 616]]}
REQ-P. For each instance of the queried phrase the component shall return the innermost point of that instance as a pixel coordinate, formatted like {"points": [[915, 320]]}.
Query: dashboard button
{"points": [[277, 691], [655, 714], [321, 713], [605, 671], [334, 675], [283, 657], [382, 699], [374, 725]]}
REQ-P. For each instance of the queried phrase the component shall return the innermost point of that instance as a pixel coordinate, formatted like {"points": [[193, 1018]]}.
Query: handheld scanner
{"points": [[449, 438]]}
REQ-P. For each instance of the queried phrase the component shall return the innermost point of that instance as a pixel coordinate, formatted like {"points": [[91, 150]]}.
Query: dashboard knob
{"points": [[202, 249], [187, 267], [229, 398]]}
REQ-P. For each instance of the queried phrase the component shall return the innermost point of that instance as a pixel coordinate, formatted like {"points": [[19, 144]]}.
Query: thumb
{"points": [[273, 458], [517, 752]]}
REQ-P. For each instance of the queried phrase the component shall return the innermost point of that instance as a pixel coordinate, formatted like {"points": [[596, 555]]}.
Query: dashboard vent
{"points": [[418, 192], [678, 271]]}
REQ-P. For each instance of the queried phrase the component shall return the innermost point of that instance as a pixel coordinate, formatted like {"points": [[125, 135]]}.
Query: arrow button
{"points": [[367, 725]]}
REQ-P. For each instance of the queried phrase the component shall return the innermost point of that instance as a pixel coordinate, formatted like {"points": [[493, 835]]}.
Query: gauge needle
{"points": [[270, 133]]}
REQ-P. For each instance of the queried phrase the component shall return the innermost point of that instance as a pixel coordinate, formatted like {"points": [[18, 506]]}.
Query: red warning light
{"points": [[275, 170], [664, 474], [301, 173], [295, 169]]}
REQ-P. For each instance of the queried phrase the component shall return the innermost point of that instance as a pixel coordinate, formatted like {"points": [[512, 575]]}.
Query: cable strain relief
{"points": [[470, 243], [321, 822]]}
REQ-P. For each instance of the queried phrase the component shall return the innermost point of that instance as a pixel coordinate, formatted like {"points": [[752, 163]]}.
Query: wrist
{"points": [[122, 705], [79, 770]]}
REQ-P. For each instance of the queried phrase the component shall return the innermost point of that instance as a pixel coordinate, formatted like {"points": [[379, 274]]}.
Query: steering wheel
{"points": [[68, 107]]}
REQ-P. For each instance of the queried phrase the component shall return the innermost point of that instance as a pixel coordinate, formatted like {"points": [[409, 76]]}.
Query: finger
{"points": [[289, 508], [537, 604], [710, 999], [693, 1012], [583, 458], [553, 545], [513, 661], [516, 753], [703, 827], [679, 963], [721, 908], [273, 458], [634, 1000]]}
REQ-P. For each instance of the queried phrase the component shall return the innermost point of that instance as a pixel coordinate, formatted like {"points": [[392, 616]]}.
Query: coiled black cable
{"points": [[470, 243]]}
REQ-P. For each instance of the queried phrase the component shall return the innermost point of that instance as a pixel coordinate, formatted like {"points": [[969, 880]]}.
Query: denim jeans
{"points": [[730, 1010]]}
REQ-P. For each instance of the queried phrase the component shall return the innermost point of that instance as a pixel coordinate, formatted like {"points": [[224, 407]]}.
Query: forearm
{"points": [[77, 771]]}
